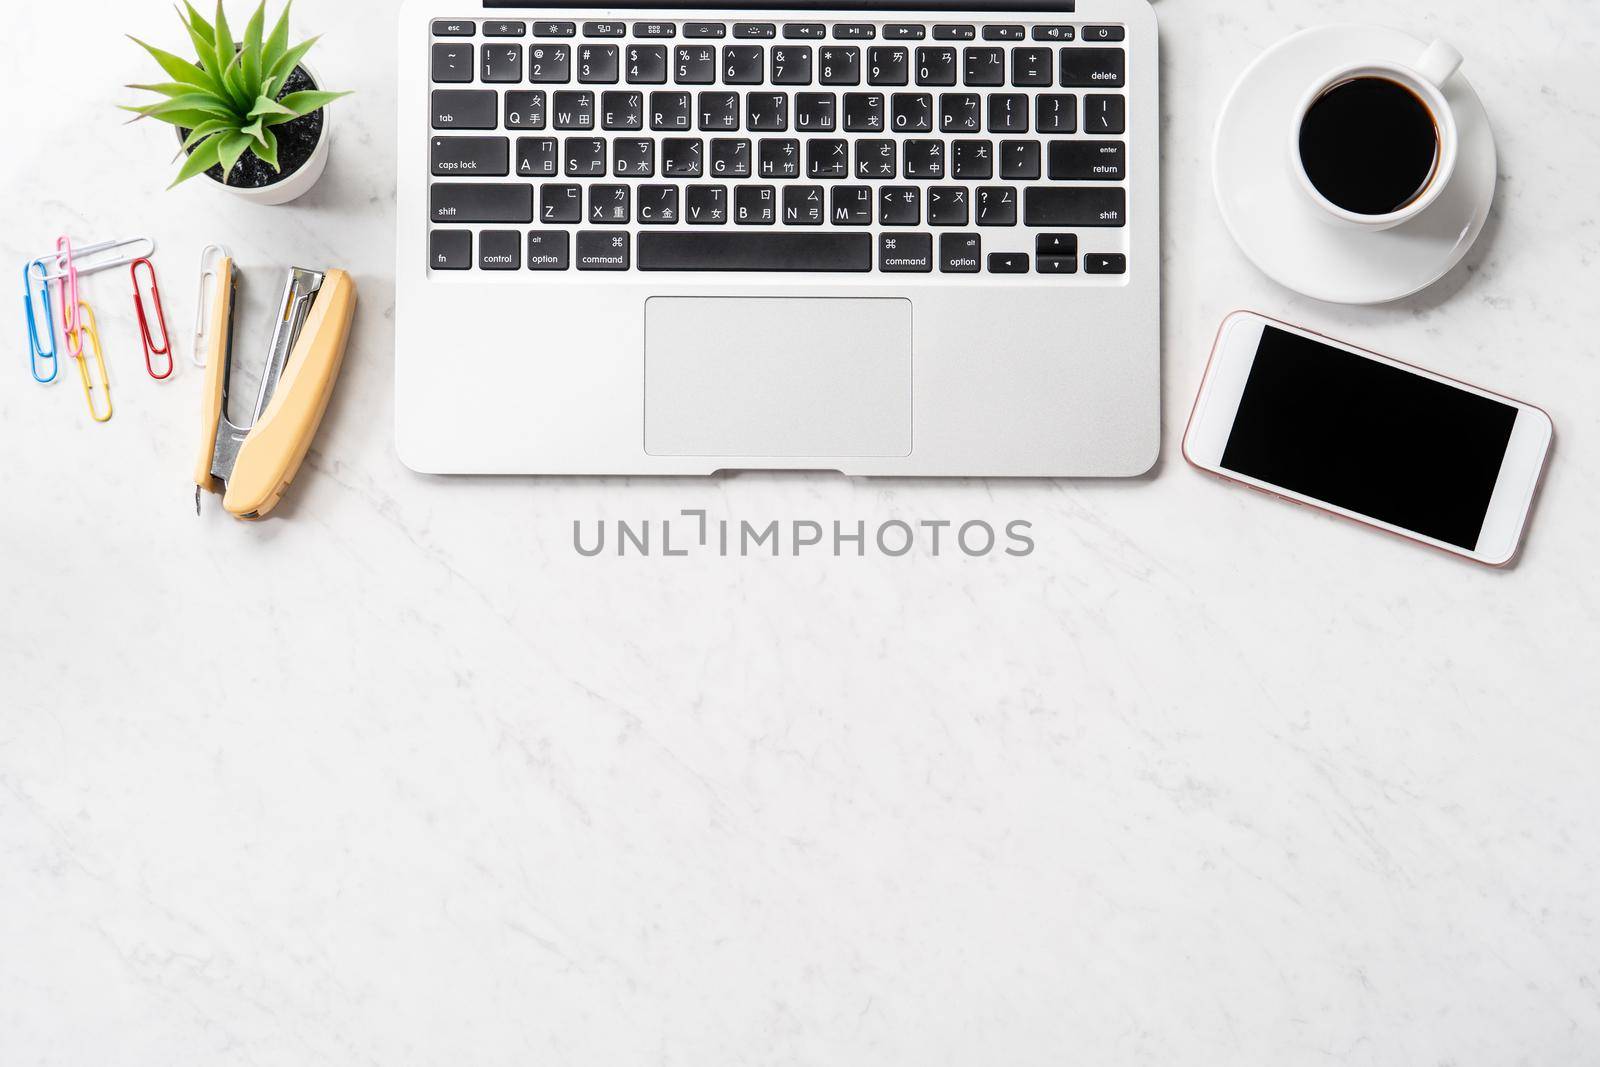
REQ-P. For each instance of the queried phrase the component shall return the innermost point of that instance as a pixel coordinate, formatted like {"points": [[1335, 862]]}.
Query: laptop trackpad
{"points": [[792, 376]]}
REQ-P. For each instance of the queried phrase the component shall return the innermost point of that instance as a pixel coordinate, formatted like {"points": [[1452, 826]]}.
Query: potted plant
{"points": [[250, 114]]}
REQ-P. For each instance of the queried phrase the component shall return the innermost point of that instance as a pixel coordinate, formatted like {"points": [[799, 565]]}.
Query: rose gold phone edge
{"points": [[1535, 487]]}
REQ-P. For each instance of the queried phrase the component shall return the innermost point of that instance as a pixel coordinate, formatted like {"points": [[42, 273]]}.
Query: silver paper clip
{"points": [[210, 257], [86, 261]]}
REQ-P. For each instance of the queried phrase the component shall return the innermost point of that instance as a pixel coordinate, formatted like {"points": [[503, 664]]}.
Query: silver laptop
{"points": [[885, 240]]}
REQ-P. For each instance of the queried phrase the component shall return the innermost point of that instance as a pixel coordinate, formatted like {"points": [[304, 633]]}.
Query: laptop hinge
{"points": [[858, 9]]}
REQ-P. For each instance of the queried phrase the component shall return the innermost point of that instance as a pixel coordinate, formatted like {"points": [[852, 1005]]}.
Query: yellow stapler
{"points": [[252, 466]]}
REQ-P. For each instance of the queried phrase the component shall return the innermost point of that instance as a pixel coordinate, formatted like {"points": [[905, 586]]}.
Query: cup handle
{"points": [[1438, 63]]}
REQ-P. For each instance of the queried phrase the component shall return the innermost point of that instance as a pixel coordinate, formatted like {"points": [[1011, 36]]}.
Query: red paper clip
{"points": [[151, 348]]}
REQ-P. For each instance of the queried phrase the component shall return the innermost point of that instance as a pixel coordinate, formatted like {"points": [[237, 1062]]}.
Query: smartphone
{"points": [[1323, 423]]}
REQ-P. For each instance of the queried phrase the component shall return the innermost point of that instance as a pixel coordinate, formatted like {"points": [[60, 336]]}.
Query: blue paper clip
{"points": [[37, 356]]}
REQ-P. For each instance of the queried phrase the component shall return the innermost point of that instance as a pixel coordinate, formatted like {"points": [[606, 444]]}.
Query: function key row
{"points": [[794, 31]]}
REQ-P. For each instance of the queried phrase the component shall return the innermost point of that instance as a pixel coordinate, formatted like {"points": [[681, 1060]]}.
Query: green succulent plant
{"points": [[232, 95]]}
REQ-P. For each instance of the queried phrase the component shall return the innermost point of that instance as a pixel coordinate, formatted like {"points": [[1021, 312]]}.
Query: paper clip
{"points": [[151, 347], [211, 256], [67, 280], [87, 326], [37, 306], [84, 260]]}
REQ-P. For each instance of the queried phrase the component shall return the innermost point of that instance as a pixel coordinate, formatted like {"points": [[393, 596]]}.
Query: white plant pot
{"points": [[300, 182]]}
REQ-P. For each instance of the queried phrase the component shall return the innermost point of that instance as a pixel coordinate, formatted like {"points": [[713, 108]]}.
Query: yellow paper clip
{"points": [[89, 329]]}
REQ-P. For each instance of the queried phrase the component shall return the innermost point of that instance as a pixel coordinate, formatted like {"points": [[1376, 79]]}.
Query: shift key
{"points": [[480, 202], [1069, 206]]}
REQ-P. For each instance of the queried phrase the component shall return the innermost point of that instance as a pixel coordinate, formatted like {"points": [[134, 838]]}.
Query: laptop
{"points": [[886, 240]]}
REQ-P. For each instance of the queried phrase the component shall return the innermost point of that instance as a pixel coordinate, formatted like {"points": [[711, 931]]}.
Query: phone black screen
{"points": [[1370, 438]]}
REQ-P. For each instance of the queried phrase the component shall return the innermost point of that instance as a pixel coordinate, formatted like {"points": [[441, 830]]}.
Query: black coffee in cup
{"points": [[1369, 145]]}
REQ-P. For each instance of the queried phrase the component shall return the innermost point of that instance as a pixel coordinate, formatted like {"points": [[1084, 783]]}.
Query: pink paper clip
{"points": [[69, 296], [152, 348]]}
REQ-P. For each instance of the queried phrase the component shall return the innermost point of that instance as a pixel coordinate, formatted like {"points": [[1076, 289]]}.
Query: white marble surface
{"points": [[401, 779]]}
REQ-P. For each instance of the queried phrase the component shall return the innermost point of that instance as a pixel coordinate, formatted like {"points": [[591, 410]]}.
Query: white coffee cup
{"points": [[1425, 78]]}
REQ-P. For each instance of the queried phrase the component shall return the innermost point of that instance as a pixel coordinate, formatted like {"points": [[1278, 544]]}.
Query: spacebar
{"points": [[787, 252]]}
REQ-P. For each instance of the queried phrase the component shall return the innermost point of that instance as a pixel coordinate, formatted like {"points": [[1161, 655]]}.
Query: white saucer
{"points": [[1279, 228]]}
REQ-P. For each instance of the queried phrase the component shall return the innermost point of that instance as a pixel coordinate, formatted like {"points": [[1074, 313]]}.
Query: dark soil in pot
{"points": [[296, 141]]}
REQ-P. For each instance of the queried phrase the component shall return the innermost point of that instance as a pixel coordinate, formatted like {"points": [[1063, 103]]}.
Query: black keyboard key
{"points": [[683, 157], [1019, 161], [1105, 114], [904, 32], [1032, 68], [450, 250], [961, 113], [560, 203], [622, 109], [742, 64], [755, 205], [1056, 244], [960, 253], [972, 160], [803, 205], [573, 111], [778, 157], [899, 205], [537, 157], [647, 64], [585, 157], [948, 206], [633, 157], [731, 158], [905, 253], [852, 205], [913, 113], [816, 112], [1057, 34], [936, 66], [1058, 113], [602, 251], [671, 111], [598, 63], [473, 157], [1105, 263], [996, 206], [924, 159], [863, 112], [1096, 161], [465, 109], [1103, 33], [1070, 206], [877, 159], [1004, 33], [828, 158], [695, 64], [704, 31], [658, 205], [610, 205], [501, 28], [888, 66], [555, 29], [1056, 264], [550, 63], [767, 112], [454, 28], [525, 109], [1008, 113], [839, 65], [954, 33], [549, 249], [791, 64], [984, 66], [1093, 68], [718, 111], [1008, 262], [854, 31], [754, 31], [804, 31], [500, 250], [501, 62], [706, 205], [480, 202], [655, 29], [453, 62], [774, 252], [604, 29]]}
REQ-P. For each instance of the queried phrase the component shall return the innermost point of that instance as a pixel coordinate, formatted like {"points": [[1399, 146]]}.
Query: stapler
{"points": [[252, 466]]}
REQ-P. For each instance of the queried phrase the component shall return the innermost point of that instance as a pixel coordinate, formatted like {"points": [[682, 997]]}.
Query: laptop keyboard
{"points": [[836, 147]]}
